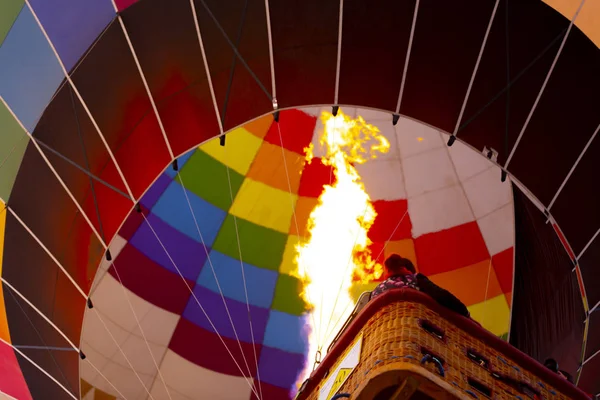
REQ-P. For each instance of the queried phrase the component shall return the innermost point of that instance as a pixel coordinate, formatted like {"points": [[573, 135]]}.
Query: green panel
{"points": [[207, 177], [13, 142], [262, 247], [504, 336], [287, 296], [9, 10]]}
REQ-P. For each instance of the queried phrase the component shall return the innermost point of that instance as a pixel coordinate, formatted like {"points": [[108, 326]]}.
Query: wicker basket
{"points": [[401, 337]]}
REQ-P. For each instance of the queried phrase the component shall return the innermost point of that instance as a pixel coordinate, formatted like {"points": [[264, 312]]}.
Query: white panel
{"points": [[111, 300], [87, 372], [441, 209], [158, 325], [160, 393], [124, 379], [95, 335], [115, 246], [415, 137], [428, 171], [486, 192], [383, 179], [467, 161], [374, 116], [197, 382], [497, 229], [89, 395], [138, 355]]}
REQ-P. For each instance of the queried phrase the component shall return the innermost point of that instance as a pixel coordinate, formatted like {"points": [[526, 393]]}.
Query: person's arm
{"points": [[442, 296]]}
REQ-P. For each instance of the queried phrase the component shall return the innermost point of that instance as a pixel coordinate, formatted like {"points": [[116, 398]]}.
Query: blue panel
{"points": [[287, 332], [187, 254], [214, 307], [173, 208], [29, 70], [180, 163], [150, 198], [260, 283], [73, 25], [280, 368]]}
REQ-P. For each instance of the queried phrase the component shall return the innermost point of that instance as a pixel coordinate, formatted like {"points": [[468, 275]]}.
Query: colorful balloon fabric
{"points": [[142, 256], [431, 208]]}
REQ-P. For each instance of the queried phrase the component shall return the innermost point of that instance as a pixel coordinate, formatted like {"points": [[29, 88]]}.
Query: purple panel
{"points": [[187, 254], [213, 305], [156, 190], [280, 368], [73, 25]]}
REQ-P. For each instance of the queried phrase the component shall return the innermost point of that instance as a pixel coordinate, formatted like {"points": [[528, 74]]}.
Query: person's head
{"points": [[397, 265], [551, 364]]}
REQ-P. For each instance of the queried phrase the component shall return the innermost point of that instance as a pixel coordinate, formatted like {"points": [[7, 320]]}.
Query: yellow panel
{"points": [[264, 205], [4, 332], [358, 288], [268, 167], [493, 314], [239, 151], [288, 266]]}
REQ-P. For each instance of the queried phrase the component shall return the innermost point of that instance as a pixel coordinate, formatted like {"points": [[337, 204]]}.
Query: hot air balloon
{"points": [[156, 183]]}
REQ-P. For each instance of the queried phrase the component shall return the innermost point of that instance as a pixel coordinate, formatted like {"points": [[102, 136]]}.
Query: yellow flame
{"points": [[336, 251]]}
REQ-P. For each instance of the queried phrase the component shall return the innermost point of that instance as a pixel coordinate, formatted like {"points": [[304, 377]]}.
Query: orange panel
{"points": [[260, 126], [304, 207], [405, 247], [268, 168], [469, 283]]}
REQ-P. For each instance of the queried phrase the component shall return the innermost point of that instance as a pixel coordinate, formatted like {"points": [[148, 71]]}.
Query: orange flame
{"points": [[336, 251]]}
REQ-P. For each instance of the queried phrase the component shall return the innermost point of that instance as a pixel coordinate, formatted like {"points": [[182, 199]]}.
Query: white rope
{"points": [[339, 53], [541, 92], [137, 321], [487, 285], [49, 164], [408, 50], [199, 305], [83, 103], [485, 38], [143, 76], [48, 252], [39, 368], [105, 378], [573, 167], [207, 70], [588, 244], [121, 351], [271, 58], [41, 314], [595, 307], [217, 281]]}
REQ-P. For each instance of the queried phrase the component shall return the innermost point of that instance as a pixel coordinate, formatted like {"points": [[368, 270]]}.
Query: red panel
{"points": [[188, 116], [297, 129], [449, 249], [133, 222], [143, 155], [503, 263], [11, 378], [150, 281], [314, 176], [123, 4], [387, 225], [211, 354], [112, 207]]}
